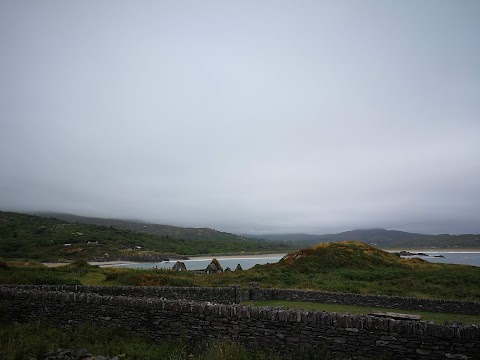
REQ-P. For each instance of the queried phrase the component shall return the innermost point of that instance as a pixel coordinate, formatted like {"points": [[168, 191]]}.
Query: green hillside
{"points": [[40, 238], [186, 233]]}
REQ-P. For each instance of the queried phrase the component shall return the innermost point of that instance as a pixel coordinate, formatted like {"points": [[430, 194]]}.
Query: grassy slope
{"points": [[33, 237], [356, 267]]}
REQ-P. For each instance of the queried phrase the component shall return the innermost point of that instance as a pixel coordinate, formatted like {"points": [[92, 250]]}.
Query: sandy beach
{"points": [[245, 256], [98, 263]]}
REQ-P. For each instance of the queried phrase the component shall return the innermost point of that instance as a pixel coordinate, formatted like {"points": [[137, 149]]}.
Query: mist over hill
{"points": [[389, 239]]}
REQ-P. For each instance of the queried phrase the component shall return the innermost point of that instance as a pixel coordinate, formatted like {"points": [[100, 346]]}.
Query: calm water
{"points": [[464, 258], [247, 262]]}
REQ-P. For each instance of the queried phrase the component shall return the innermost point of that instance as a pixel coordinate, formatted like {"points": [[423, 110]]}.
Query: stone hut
{"points": [[179, 266], [214, 267]]}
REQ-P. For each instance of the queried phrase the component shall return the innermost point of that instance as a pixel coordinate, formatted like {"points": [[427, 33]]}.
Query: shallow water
{"points": [[246, 262]]}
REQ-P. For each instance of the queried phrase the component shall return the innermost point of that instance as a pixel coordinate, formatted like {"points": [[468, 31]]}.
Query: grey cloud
{"points": [[248, 117]]}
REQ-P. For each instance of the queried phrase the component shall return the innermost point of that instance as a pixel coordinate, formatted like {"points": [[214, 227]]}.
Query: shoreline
{"points": [[120, 263]]}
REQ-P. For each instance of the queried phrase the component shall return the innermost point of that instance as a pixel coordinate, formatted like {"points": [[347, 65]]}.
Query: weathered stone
{"points": [[80, 353], [388, 338], [353, 330], [456, 356], [423, 352]]}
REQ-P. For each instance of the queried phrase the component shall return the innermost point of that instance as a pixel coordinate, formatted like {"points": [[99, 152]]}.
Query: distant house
{"points": [[67, 245], [138, 247]]}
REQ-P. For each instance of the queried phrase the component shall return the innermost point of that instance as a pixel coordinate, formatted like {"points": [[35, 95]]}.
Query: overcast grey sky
{"points": [[244, 116]]}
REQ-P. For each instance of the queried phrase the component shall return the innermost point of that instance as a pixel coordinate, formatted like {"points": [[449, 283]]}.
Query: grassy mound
{"points": [[345, 254]]}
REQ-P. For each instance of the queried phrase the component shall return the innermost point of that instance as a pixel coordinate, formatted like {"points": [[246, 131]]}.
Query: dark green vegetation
{"points": [[36, 339], [439, 318], [338, 267], [386, 239], [43, 239]]}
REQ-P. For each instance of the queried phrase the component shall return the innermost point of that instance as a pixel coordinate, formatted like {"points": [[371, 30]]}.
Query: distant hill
{"points": [[185, 233], [387, 239], [47, 238]]}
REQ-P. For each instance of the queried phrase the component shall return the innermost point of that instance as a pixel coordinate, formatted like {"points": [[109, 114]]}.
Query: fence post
{"points": [[237, 294], [253, 287]]}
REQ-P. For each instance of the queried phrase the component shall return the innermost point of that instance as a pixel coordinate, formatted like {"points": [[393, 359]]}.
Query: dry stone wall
{"points": [[235, 295], [278, 329], [222, 295], [392, 302]]}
